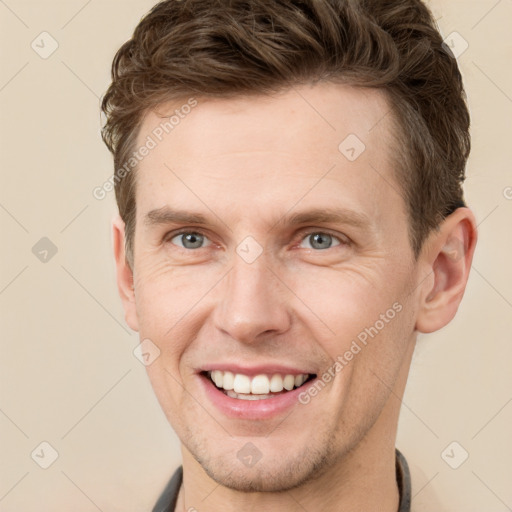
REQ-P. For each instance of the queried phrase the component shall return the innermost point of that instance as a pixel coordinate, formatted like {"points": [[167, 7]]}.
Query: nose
{"points": [[253, 303]]}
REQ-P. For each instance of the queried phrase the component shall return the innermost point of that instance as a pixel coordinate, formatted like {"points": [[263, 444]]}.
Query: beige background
{"points": [[68, 374]]}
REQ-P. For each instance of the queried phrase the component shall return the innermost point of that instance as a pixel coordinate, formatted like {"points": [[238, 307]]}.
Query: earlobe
{"points": [[448, 255], [124, 273]]}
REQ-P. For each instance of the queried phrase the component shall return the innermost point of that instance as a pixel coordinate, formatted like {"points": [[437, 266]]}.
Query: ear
{"points": [[124, 274], [447, 256]]}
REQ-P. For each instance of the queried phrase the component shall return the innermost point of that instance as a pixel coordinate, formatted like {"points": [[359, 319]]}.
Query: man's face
{"points": [[261, 249]]}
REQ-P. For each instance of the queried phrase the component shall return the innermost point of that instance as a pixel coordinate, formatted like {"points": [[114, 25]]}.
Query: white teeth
{"points": [[260, 385], [217, 378], [244, 387], [242, 384], [289, 382], [276, 383], [228, 381], [243, 396]]}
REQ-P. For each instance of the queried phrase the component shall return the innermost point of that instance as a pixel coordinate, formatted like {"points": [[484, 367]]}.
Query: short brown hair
{"points": [[224, 48]]}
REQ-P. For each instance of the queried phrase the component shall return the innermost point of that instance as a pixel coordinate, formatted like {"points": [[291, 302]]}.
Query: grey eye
{"points": [[321, 241], [189, 240]]}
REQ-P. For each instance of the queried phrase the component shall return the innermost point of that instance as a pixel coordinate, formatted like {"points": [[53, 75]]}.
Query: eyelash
{"points": [[343, 240]]}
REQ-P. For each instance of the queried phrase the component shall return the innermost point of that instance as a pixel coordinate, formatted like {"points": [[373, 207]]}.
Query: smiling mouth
{"points": [[259, 387]]}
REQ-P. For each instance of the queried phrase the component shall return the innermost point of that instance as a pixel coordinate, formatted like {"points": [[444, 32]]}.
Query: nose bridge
{"points": [[252, 302]]}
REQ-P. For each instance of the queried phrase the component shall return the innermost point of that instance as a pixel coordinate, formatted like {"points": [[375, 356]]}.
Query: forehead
{"points": [[314, 144]]}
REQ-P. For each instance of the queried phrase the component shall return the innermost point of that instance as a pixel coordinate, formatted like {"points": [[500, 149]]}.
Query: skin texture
{"points": [[247, 165]]}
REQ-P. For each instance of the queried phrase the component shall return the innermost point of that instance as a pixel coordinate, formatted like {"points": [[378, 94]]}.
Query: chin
{"points": [[289, 475], [276, 471]]}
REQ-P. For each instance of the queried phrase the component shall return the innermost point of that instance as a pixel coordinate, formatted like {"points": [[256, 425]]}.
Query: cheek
{"points": [[165, 293], [361, 317], [346, 300], [171, 305]]}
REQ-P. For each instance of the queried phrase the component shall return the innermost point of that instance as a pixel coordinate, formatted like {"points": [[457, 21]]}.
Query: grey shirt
{"points": [[167, 500]]}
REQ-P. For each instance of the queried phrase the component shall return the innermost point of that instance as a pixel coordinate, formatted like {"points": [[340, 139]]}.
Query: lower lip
{"points": [[251, 409]]}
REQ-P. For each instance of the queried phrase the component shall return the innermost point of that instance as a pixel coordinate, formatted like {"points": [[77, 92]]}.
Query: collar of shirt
{"points": [[167, 500]]}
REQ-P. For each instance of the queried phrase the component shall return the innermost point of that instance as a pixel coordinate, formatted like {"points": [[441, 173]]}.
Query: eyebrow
{"points": [[166, 215], [328, 216]]}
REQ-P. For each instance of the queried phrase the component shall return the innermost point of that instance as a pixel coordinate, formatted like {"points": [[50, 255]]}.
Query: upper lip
{"points": [[253, 370]]}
